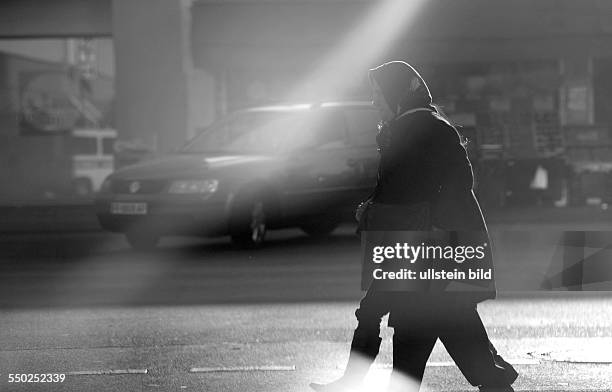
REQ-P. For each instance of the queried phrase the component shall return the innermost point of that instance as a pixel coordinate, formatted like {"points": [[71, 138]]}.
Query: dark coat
{"points": [[425, 161], [425, 182]]}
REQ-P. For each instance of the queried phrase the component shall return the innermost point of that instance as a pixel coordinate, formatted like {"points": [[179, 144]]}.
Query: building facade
{"points": [[528, 82]]}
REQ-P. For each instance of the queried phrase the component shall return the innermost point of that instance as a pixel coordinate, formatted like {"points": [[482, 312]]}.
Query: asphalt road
{"points": [[201, 316]]}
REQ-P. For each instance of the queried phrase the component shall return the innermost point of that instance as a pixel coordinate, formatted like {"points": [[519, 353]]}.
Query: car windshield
{"points": [[254, 132]]}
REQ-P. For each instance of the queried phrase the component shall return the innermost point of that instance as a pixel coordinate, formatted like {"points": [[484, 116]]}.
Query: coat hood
{"points": [[402, 86]]}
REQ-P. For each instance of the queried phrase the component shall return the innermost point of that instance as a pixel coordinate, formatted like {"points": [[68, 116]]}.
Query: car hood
{"points": [[184, 166]]}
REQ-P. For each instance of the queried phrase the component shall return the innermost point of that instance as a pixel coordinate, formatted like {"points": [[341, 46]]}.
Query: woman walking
{"points": [[424, 184]]}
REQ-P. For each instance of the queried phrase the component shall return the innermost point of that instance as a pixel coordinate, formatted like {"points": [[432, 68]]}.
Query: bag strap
{"points": [[407, 112]]}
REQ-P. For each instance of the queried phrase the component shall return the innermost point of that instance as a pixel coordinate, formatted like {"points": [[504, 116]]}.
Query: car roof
{"points": [[307, 106], [350, 104]]}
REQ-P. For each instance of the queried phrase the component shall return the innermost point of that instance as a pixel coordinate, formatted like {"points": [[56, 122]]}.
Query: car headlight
{"points": [[194, 186]]}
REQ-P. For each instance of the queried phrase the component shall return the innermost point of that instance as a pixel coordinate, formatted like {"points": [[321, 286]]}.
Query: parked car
{"points": [[257, 169], [92, 159]]}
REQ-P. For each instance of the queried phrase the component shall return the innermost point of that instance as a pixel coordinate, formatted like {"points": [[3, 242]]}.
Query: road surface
{"points": [[201, 316]]}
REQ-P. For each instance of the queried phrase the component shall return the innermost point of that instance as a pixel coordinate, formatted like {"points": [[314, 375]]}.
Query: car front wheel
{"points": [[249, 223]]}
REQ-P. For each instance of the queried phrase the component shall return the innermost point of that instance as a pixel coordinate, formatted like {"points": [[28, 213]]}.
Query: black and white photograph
{"points": [[306, 195]]}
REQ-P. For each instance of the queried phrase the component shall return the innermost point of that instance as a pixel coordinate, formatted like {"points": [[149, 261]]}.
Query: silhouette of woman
{"points": [[424, 183]]}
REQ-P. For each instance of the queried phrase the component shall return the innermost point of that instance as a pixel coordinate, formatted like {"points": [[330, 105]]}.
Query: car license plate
{"points": [[129, 208]]}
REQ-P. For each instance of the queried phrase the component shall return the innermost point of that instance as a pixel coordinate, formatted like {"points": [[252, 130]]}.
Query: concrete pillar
{"points": [[160, 97]]}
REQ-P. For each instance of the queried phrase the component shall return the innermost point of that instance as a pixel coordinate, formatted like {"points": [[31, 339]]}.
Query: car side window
{"points": [[261, 132], [362, 126], [321, 130]]}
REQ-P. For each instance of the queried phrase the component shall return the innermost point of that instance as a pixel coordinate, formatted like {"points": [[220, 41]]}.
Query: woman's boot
{"points": [[510, 372], [364, 349]]}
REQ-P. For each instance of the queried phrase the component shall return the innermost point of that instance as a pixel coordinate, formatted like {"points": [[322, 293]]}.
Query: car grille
{"points": [[144, 186]]}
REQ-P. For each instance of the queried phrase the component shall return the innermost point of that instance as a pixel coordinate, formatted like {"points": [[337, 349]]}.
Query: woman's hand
{"points": [[361, 208]]}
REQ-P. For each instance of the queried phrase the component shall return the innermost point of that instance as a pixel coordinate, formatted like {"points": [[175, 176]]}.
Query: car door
{"points": [[319, 175], [362, 126]]}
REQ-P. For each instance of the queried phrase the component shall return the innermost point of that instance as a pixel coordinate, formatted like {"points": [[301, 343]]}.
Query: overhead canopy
{"points": [[231, 33], [57, 18]]}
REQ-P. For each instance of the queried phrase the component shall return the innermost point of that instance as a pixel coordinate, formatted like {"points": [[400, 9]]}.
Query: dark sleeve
{"points": [[456, 207], [403, 158], [451, 167]]}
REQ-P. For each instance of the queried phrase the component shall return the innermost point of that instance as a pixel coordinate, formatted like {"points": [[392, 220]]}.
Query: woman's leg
{"points": [[365, 343], [410, 352], [466, 340], [510, 372]]}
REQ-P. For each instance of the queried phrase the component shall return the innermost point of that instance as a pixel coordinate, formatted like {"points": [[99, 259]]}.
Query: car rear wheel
{"points": [[142, 239], [249, 223], [320, 228]]}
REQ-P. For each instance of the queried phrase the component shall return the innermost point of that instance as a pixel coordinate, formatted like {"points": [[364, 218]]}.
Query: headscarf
{"points": [[402, 86], [403, 89]]}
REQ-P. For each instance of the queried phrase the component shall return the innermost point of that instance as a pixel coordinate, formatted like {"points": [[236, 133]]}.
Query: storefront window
{"points": [[48, 89]]}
